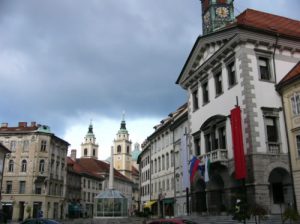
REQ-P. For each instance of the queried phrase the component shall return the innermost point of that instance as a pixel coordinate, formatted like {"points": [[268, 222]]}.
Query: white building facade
{"points": [[240, 65]]}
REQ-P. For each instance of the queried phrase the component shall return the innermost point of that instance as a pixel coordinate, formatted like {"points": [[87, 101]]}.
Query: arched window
{"points": [[11, 166], [163, 162], [119, 149], [94, 152], [42, 166], [155, 166], [85, 152], [128, 150], [24, 166]]}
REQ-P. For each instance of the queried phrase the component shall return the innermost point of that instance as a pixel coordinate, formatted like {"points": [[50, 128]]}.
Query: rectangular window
{"points": [[264, 68], [231, 74], [8, 187], [197, 145], [295, 99], [195, 100], [272, 129], [205, 97], [25, 146], [272, 134], [43, 145], [298, 144], [222, 137], [218, 83], [207, 142], [38, 189], [13, 145], [22, 187], [172, 159]]}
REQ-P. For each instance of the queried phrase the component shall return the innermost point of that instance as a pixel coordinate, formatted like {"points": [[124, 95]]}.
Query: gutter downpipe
{"points": [[173, 140]]}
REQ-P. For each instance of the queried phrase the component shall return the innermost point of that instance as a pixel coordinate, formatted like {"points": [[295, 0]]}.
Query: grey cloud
{"points": [[62, 58]]}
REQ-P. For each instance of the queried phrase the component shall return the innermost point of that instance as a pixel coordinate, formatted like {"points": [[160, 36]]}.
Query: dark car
{"points": [[40, 221], [171, 221]]}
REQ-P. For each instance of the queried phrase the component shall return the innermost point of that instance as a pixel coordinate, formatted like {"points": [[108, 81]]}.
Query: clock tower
{"points": [[122, 151], [216, 14]]}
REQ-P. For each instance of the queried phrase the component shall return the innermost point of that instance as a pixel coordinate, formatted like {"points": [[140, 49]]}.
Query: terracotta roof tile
{"points": [[293, 74], [269, 22], [98, 167]]}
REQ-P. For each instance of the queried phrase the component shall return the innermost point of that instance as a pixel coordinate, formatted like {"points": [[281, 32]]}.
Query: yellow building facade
{"points": [[34, 174]]}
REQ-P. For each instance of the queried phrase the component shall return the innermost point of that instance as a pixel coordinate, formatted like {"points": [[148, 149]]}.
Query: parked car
{"points": [[171, 221], [40, 221]]}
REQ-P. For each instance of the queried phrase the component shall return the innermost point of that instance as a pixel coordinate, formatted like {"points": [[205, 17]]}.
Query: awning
{"points": [[168, 200], [149, 204]]}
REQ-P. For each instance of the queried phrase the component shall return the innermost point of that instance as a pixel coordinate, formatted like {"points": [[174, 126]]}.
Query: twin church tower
{"points": [[123, 159]]}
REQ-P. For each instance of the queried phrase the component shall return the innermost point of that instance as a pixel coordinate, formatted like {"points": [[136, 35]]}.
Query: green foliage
{"points": [[28, 211], [290, 214]]}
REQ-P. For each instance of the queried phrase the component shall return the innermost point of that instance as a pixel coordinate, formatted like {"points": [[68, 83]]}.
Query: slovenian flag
{"points": [[194, 167]]}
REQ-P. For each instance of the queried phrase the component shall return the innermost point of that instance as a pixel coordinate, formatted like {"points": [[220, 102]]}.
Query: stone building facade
{"points": [[34, 178], [239, 64]]}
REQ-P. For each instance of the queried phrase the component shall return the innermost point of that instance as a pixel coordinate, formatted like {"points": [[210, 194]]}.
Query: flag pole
{"points": [[187, 188]]}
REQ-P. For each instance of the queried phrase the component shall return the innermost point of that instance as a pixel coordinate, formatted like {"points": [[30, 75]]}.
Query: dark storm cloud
{"points": [[60, 58], [63, 58]]}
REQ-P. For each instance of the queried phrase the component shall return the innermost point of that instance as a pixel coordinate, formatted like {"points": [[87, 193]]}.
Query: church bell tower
{"points": [[216, 14], [89, 148], [122, 151]]}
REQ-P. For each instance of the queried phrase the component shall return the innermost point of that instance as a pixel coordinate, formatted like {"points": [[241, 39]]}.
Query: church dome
{"points": [[136, 152]]}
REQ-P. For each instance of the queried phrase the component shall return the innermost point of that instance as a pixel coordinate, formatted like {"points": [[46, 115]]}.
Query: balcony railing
{"points": [[218, 155], [274, 148]]}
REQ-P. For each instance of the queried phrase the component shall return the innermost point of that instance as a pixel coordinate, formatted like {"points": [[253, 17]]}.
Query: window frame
{"points": [[205, 92], [218, 79], [267, 56], [272, 113], [295, 104], [24, 165], [232, 78], [195, 98], [22, 187]]}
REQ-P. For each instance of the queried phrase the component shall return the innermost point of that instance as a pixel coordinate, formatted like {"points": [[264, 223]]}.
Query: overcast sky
{"points": [[65, 62]]}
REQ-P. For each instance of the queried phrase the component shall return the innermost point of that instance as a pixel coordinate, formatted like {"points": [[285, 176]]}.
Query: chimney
{"points": [[4, 125], [22, 124], [73, 154], [33, 123]]}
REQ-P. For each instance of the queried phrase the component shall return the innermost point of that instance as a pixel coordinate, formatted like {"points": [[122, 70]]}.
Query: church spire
{"points": [[123, 129]]}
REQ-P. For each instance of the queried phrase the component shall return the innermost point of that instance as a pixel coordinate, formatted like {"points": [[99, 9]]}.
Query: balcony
{"points": [[274, 148], [218, 155]]}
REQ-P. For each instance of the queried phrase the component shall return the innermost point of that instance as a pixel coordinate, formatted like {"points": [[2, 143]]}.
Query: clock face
{"points": [[222, 12]]}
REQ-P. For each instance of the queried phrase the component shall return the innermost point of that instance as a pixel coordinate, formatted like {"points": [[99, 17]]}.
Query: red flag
{"points": [[193, 168], [237, 143]]}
